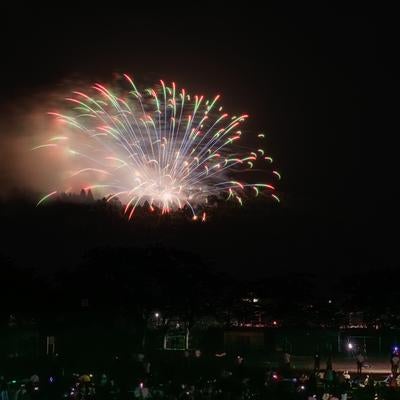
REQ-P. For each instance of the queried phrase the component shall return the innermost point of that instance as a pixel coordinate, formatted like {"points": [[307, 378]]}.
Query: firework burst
{"points": [[161, 146]]}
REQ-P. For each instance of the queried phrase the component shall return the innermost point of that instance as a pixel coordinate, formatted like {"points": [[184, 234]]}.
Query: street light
{"points": [[350, 346]]}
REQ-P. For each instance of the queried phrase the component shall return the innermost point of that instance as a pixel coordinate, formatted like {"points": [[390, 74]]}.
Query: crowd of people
{"points": [[191, 376]]}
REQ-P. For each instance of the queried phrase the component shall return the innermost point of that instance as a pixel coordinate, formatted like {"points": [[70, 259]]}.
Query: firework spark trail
{"points": [[161, 145]]}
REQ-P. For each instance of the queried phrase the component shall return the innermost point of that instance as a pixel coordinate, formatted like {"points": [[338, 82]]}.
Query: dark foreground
{"points": [[184, 376]]}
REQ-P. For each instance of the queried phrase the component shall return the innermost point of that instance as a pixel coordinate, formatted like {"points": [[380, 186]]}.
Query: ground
{"points": [[377, 365]]}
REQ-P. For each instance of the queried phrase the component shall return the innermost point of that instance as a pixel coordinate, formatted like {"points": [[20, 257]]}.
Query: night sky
{"points": [[305, 78]]}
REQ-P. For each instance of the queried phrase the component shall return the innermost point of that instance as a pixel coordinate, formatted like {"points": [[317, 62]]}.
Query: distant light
{"points": [[274, 323], [255, 300], [350, 346], [330, 301], [157, 314]]}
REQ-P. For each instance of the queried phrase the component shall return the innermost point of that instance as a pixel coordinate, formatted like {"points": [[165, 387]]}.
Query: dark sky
{"points": [[306, 77]]}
